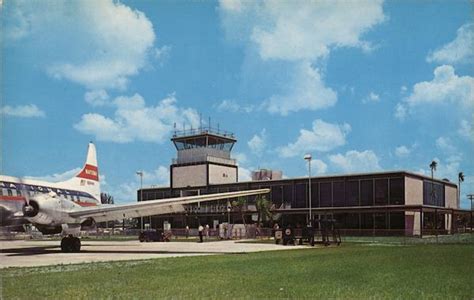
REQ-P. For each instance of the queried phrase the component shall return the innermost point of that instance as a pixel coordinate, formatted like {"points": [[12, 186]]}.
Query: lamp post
{"points": [[228, 212], [308, 158], [140, 173]]}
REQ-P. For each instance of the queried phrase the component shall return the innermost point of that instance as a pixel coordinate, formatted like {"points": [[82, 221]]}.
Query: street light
{"points": [[309, 158], [140, 173]]}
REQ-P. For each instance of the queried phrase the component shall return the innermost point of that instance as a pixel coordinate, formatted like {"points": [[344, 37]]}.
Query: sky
{"points": [[364, 86]]}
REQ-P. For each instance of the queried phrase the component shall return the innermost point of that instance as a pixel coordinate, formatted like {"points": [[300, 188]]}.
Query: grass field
{"points": [[348, 271]]}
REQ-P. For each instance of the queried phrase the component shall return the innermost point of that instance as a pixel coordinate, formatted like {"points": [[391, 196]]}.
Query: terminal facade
{"points": [[398, 203]]}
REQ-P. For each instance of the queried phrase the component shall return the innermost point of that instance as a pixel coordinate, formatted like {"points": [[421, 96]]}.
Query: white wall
{"points": [[221, 174], [189, 176]]}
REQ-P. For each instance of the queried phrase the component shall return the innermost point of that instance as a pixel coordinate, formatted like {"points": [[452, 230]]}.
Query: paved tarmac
{"points": [[45, 252]]}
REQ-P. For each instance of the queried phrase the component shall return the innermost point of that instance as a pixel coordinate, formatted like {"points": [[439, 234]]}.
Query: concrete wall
{"points": [[413, 196], [222, 174], [413, 191], [451, 196], [189, 176]]}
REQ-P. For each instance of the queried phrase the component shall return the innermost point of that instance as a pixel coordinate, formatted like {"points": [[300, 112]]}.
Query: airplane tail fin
{"points": [[90, 170], [87, 180]]}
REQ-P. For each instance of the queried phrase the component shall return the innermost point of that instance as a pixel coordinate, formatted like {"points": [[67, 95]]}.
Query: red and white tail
{"points": [[87, 180]]}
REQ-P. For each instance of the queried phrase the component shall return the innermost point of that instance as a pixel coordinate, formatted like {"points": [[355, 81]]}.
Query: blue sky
{"points": [[363, 86]]}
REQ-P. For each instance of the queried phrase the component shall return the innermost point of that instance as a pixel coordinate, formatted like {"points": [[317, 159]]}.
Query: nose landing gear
{"points": [[70, 244]]}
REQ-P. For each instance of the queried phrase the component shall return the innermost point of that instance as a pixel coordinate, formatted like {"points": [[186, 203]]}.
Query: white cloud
{"points": [[402, 151], [244, 174], [306, 92], [97, 97], [355, 161], [466, 129], [157, 177], [258, 143], [446, 88], [123, 193], [446, 145], [457, 51], [96, 44], [322, 137], [126, 192], [233, 106], [307, 31], [162, 54], [240, 157], [296, 38], [57, 177], [372, 97], [22, 111], [318, 167], [133, 120]]}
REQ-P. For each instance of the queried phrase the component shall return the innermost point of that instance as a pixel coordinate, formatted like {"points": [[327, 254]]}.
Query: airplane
{"points": [[67, 207]]}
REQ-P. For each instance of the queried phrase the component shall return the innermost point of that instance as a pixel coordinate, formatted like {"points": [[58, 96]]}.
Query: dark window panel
{"points": [[380, 221], [325, 194], [314, 194], [433, 193], [367, 221], [397, 220], [287, 194], [338, 193], [352, 193], [366, 192], [381, 191], [300, 199], [397, 191], [277, 195]]}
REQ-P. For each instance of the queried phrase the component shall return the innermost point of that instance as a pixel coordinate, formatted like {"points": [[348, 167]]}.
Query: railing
{"points": [[204, 158], [202, 130]]}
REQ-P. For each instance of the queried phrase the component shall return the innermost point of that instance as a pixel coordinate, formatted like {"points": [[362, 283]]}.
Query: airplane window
{"points": [[10, 193]]}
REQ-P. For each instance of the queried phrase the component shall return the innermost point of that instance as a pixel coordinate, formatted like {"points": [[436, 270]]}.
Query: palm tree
{"points": [[460, 179], [433, 168]]}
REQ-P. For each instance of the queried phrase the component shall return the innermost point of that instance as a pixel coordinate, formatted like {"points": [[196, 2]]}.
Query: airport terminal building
{"points": [[396, 202]]}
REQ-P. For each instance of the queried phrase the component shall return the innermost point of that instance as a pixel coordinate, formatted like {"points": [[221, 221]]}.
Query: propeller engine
{"points": [[31, 208]]}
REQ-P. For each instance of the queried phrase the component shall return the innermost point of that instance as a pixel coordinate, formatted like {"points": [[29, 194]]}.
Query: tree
{"points": [[106, 198], [460, 179], [433, 166], [264, 211], [240, 203]]}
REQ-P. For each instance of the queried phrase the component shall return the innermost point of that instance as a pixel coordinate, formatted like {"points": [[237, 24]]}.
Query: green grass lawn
{"points": [[349, 271]]}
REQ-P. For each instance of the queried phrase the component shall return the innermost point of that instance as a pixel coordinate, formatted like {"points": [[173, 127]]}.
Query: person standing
{"points": [[200, 229], [207, 231], [187, 231]]}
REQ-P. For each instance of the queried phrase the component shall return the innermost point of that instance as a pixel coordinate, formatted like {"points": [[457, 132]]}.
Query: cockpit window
{"points": [[10, 193]]}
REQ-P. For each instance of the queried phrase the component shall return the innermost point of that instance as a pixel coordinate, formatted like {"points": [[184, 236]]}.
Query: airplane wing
{"points": [[153, 207]]}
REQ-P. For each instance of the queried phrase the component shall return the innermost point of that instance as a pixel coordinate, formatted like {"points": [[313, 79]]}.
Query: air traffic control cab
{"points": [[203, 158]]}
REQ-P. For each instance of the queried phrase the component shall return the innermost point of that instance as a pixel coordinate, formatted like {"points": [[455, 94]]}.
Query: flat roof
{"points": [[330, 176]]}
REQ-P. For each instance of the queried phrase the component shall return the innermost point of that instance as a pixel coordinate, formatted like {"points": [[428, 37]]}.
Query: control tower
{"points": [[203, 158]]}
